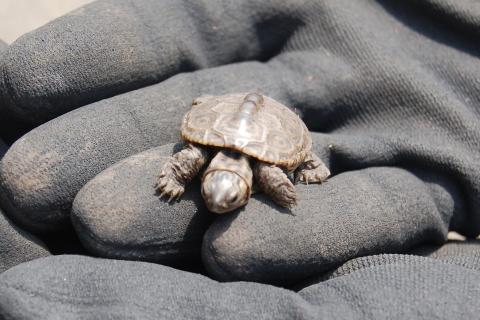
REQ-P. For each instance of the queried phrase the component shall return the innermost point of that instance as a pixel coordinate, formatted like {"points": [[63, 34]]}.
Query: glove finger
{"points": [[369, 211], [10, 129], [17, 246], [113, 46], [134, 290], [395, 286], [43, 171], [452, 250], [462, 253], [118, 214]]}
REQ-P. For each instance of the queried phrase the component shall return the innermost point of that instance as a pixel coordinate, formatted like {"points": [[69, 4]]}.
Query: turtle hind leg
{"points": [[180, 168], [312, 170], [274, 182]]}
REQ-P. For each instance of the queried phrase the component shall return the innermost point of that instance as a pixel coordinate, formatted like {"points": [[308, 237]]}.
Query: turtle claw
{"points": [[286, 196], [316, 175], [169, 188], [174, 196]]}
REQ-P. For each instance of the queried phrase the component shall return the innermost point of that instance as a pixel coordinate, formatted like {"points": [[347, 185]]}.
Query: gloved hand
{"points": [[390, 88], [392, 286]]}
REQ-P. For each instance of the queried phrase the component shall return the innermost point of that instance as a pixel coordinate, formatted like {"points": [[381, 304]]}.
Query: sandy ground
{"points": [[20, 16]]}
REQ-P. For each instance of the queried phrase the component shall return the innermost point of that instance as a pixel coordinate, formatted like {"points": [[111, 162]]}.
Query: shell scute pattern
{"points": [[274, 134]]}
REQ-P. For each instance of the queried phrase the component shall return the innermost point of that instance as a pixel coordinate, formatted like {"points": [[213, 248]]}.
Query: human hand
{"points": [[395, 123]]}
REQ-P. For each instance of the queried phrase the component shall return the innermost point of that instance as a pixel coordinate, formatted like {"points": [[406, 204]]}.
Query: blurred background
{"points": [[20, 16]]}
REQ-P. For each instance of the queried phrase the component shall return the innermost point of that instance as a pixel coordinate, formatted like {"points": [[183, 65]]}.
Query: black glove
{"points": [[389, 87], [376, 287]]}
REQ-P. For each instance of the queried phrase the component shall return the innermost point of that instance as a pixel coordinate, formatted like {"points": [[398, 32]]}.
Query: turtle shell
{"points": [[273, 134]]}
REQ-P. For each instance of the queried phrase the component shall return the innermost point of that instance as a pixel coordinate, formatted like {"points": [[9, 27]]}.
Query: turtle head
{"points": [[224, 191]]}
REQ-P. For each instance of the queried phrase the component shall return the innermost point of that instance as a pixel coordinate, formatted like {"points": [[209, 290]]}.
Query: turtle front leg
{"points": [[182, 167], [274, 182], [312, 170]]}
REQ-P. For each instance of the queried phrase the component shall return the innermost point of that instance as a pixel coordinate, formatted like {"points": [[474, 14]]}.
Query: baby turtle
{"points": [[247, 137]]}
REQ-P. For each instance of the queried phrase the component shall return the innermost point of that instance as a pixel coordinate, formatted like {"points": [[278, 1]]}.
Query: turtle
{"points": [[244, 138]]}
